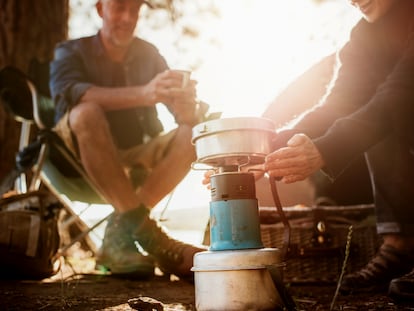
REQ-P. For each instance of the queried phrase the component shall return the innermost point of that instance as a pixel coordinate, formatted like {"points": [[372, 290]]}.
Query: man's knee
{"points": [[84, 118]]}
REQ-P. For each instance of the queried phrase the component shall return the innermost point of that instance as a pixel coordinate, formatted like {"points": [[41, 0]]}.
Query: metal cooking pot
{"points": [[233, 141]]}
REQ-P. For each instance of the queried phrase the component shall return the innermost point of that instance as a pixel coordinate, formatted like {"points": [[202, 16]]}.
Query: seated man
{"points": [[105, 88]]}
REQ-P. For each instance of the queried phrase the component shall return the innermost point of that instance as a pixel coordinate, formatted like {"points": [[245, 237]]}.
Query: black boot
{"points": [[402, 289], [120, 255], [375, 277]]}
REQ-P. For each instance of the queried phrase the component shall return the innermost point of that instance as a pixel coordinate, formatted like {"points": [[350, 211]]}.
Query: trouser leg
{"points": [[391, 166]]}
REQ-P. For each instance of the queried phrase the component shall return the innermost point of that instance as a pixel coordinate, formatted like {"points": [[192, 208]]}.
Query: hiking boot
{"points": [[402, 289], [171, 255], [388, 263], [120, 255]]}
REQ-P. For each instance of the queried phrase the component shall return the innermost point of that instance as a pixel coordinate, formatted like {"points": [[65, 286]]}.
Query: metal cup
{"points": [[186, 74]]}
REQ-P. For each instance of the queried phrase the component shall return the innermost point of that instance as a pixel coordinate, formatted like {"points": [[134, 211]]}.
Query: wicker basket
{"points": [[318, 238]]}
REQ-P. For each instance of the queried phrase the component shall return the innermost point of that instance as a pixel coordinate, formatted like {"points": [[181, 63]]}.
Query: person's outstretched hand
{"points": [[206, 178], [297, 161]]}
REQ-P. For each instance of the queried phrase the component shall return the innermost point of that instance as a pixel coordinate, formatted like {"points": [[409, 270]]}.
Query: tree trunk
{"points": [[29, 31]]}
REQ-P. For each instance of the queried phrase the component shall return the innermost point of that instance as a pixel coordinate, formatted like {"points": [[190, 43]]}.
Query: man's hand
{"points": [[297, 161], [167, 88], [206, 179], [184, 106], [162, 88]]}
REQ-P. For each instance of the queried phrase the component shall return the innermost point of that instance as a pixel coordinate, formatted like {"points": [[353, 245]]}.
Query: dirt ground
{"points": [[78, 287]]}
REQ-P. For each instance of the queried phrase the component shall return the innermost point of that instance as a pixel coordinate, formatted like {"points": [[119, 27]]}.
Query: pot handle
{"points": [[200, 166], [282, 215]]}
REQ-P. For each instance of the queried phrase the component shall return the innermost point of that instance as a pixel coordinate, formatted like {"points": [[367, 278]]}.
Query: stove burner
{"points": [[233, 160]]}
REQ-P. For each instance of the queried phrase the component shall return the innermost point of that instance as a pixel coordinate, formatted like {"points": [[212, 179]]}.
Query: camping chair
{"points": [[55, 167]]}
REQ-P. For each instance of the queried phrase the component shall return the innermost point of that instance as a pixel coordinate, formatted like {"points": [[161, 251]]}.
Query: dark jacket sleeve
{"points": [[67, 80], [339, 125], [389, 111], [351, 87], [399, 95]]}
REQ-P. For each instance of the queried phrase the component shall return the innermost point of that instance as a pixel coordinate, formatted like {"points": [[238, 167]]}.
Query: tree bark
{"points": [[29, 30]]}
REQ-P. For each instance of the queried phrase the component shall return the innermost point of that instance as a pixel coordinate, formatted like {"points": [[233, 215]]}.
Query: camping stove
{"points": [[237, 272]]}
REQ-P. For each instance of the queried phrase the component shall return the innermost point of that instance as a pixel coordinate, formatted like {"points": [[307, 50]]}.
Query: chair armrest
{"points": [[43, 108]]}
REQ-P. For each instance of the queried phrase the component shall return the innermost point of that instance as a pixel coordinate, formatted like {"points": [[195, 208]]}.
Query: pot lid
{"points": [[227, 124]]}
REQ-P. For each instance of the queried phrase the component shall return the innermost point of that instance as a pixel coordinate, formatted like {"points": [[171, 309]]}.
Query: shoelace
{"points": [[155, 241]]}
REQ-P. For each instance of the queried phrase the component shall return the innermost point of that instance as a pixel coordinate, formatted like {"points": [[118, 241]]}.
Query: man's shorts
{"points": [[147, 155]]}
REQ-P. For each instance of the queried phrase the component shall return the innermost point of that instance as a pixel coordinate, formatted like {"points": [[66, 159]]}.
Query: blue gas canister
{"points": [[234, 216]]}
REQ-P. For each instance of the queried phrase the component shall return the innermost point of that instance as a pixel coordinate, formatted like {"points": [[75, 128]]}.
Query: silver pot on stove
{"points": [[233, 141]]}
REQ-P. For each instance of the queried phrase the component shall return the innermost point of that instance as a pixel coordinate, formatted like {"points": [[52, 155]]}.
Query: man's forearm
{"points": [[116, 98]]}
